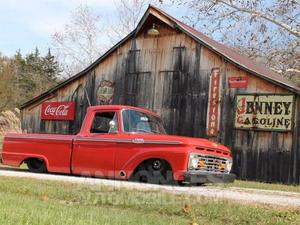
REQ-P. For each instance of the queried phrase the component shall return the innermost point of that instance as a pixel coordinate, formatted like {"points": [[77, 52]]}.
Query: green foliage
{"points": [[23, 77], [50, 67], [36, 73]]}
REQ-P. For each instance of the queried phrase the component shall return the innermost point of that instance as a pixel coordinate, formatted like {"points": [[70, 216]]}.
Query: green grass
{"points": [[28, 201], [261, 185], [237, 184]]}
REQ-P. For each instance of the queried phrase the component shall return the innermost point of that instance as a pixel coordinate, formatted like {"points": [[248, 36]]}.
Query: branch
{"points": [[262, 15], [287, 70]]}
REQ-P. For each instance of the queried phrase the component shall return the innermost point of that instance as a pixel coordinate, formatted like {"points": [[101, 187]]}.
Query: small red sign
{"points": [[238, 82], [58, 111]]}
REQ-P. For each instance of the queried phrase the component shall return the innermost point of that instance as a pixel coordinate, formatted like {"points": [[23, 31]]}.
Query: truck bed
{"points": [[55, 150]]}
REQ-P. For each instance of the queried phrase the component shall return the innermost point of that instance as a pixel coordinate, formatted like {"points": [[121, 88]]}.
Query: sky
{"points": [[26, 24]]}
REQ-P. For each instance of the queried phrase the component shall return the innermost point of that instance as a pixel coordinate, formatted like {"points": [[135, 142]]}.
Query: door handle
{"points": [[138, 141]]}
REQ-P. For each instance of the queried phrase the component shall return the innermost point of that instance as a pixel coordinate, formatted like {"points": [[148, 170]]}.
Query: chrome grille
{"points": [[211, 164]]}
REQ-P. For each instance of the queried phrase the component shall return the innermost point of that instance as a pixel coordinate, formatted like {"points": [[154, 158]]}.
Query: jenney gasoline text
{"points": [[272, 108]]}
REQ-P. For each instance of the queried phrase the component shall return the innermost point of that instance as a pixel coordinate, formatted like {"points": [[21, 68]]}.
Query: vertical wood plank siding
{"points": [[170, 75]]}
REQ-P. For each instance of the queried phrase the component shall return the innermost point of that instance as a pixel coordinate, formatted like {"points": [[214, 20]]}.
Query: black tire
{"points": [[182, 183], [154, 171], [36, 165]]}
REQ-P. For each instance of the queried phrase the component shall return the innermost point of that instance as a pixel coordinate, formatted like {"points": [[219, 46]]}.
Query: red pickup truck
{"points": [[122, 142]]}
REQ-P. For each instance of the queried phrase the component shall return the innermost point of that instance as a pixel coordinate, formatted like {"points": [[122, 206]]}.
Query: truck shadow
{"points": [[14, 169]]}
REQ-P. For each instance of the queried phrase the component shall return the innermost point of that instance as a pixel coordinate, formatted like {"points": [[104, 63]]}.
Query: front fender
{"points": [[177, 161]]}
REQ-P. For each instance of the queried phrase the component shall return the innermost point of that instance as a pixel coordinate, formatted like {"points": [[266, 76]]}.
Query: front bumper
{"points": [[194, 177]]}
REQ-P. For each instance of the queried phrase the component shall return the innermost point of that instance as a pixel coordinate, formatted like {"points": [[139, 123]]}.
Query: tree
{"points": [[22, 78], [268, 31], [50, 67], [86, 34], [128, 14], [7, 83], [79, 44], [35, 74]]}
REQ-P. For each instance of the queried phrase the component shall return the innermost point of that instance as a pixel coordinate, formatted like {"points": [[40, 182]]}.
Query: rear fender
{"points": [[38, 157], [16, 159]]}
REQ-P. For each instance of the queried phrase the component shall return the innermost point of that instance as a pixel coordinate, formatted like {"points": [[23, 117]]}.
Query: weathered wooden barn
{"points": [[200, 88]]}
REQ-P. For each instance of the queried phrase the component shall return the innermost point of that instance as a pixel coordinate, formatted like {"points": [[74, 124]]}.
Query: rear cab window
{"points": [[105, 123]]}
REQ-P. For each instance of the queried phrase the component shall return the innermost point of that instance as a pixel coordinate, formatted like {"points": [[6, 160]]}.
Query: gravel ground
{"points": [[243, 195]]}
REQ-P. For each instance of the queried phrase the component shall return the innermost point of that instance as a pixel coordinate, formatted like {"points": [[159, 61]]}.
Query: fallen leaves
{"points": [[45, 198], [187, 208], [193, 223]]}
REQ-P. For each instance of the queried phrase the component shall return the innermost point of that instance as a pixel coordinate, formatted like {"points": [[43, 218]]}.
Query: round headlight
{"points": [[194, 163], [228, 165]]}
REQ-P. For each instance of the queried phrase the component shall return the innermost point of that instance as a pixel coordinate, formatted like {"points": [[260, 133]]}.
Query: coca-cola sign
{"points": [[58, 111]]}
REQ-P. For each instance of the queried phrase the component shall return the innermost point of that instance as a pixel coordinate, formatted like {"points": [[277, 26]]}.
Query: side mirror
{"points": [[112, 127]]}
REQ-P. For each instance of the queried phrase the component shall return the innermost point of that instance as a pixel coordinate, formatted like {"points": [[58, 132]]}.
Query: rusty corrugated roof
{"points": [[234, 56], [221, 49]]}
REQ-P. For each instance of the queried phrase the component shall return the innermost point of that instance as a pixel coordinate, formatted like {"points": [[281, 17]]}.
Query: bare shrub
{"points": [[10, 121]]}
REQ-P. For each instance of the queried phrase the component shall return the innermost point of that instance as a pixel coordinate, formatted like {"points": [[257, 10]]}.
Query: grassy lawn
{"points": [[28, 201], [260, 185], [238, 184]]}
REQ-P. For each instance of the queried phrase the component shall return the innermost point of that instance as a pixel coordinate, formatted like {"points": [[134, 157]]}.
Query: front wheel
{"points": [[155, 171], [36, 165]]}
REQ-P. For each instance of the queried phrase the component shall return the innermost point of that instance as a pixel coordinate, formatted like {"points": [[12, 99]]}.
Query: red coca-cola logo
{"points": [[61, 110], [57, 111]]}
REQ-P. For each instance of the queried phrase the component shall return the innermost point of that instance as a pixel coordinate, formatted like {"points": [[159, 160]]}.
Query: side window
{"points": [[105, 122]]}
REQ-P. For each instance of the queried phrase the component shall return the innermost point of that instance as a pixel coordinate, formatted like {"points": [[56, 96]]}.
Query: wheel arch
{"points": [[144, 160], [36, 157]]}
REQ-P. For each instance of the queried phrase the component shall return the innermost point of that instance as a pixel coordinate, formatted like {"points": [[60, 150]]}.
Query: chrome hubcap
{"points": [[156, 164]]}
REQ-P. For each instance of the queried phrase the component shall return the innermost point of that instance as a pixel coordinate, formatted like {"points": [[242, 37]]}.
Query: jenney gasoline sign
{"points": [[264, 111]]}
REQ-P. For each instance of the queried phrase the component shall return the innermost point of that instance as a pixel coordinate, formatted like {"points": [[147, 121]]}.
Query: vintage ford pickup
{"points": [[122, 142]]}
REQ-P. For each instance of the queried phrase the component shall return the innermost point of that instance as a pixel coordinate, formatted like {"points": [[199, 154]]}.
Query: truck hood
{"points": [[201, 145], [197, 143]]}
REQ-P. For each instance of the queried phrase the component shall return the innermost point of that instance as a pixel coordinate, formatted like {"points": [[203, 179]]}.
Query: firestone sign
{"points": [[57, 111], [214, 103], [264, 111]]}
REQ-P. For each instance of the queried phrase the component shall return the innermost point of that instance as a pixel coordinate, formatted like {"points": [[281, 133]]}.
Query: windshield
{"points": [[139, 122]]}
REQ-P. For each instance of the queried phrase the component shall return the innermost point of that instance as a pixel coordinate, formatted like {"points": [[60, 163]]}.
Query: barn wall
{"points": [[170, 75], [259, 155]]}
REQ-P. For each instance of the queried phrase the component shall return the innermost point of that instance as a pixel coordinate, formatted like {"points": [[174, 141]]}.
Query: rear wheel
{"points": [[155, 171], [36, 165]]}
